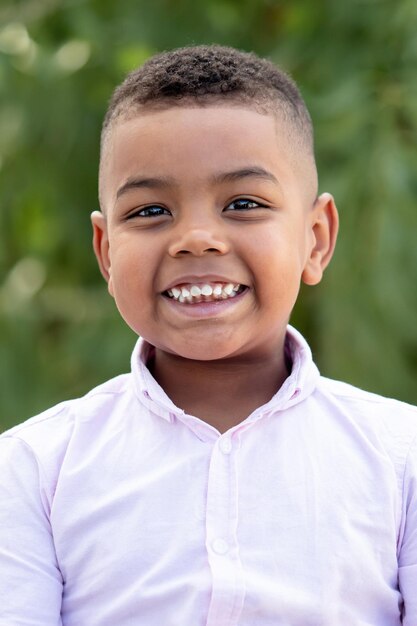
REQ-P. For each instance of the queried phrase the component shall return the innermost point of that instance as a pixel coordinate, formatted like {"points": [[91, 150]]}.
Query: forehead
{"points": [[191, 144]]}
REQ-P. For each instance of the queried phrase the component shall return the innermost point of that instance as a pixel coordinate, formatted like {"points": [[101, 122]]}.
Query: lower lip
{"points": [[205, 309]]}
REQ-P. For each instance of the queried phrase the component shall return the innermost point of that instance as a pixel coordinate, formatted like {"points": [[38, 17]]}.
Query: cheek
{"points": [[126, 277], [278, 268], [277, 257]]}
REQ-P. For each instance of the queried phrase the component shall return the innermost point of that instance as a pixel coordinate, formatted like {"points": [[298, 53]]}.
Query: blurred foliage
{"points": [[59, 62]]}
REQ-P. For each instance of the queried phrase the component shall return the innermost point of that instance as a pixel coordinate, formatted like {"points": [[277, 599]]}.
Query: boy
{"points": [[223, 481]]}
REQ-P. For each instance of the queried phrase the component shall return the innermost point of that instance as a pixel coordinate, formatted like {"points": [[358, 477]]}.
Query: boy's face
{"points": [[198, 199]]}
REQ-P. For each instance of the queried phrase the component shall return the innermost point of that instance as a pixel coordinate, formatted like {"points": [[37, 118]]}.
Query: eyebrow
{"points": [[147, 183], [246, 172], [217, 179]]}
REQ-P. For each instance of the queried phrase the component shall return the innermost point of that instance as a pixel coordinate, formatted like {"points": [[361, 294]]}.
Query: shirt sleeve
{"points": [[408, 553], [30, 580]]}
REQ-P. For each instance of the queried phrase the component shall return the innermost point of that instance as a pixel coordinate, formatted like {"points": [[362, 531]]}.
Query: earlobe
{"points": [[101, 246], [324, 228]]}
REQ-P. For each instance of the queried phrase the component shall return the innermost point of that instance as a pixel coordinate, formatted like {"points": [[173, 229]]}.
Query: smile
{"points": [[204, 292]]}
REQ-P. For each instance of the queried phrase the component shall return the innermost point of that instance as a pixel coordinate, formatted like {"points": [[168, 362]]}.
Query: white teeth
{"points": [[195, 291], [204, 293], [206, 290]]}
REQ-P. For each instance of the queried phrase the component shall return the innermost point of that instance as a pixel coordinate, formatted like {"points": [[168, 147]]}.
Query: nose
{"points": [[198, 242]]}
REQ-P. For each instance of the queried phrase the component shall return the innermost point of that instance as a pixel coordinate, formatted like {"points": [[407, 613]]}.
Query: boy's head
{"points": [[210, 75], [205, 75], [210, 216]]}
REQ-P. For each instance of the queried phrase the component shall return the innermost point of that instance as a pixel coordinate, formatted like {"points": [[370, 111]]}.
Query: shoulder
{"points": [[64, 412], [386, 422], [47, 436], [368, 403]]}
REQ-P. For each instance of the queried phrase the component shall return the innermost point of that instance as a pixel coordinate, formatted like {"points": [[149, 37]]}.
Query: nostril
{"points": [[197, 243], [197, 252]]}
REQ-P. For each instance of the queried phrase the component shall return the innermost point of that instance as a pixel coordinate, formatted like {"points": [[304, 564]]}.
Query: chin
{"points": [[202, 349]]}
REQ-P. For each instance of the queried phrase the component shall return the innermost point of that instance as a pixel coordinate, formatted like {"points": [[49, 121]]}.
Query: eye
{"points": [[152, 210], [243, 204]]}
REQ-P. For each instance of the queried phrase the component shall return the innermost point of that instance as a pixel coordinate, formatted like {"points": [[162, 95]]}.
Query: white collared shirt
{"points": [[118, 509]]}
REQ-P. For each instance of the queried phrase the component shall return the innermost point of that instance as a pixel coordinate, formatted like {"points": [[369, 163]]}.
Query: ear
{"points": [[324, 227], [101, 246]]}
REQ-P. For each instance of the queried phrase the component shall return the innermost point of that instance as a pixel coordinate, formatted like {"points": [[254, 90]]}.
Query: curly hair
{"points": [[210, 74]]}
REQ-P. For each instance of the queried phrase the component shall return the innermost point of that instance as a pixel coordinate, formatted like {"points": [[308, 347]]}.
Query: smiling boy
{"points": [[223, 481], [202, 197]]}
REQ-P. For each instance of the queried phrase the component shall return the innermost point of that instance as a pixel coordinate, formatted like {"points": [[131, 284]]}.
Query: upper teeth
{"points": [[197, 293]]}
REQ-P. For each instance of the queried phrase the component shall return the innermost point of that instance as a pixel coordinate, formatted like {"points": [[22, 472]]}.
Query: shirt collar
{"points": [[299, 385]]}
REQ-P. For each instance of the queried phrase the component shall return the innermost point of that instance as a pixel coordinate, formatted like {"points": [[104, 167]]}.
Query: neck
{"points": [[222, 393]]}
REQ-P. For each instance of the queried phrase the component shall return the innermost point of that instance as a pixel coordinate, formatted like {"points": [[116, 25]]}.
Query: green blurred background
{"points": [[356, 64]]}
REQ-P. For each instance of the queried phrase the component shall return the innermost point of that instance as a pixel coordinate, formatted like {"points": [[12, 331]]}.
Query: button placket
{"points": [[220, 546], [221, 540], [225, 445]]}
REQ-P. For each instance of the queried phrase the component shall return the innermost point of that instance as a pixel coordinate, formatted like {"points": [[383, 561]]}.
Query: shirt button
{"points": [[220, 546], [225, 446]]}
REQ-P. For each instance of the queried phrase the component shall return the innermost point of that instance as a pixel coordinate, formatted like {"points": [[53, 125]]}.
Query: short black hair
{"points": [[210, 74]]}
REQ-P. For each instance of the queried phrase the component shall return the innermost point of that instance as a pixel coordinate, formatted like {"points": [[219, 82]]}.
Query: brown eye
{"points": [[243, 204], [150, 211]]}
